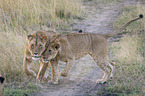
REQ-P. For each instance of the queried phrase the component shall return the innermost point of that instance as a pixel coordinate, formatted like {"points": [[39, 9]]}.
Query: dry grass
{"points": [[129, 55], [12, 47], [128, 13], [130, 68], [25, 15], [20, 17]]}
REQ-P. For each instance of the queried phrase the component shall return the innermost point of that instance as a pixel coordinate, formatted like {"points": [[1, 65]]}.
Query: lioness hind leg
{"points": [[112, 64], [104, 79], [108, 71]]}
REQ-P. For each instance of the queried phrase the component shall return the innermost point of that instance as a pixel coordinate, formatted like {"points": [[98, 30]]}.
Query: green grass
{"points": [[108, 1], [20, 17], [129, 55], [23, 90], [128, 13], [17, 92]]}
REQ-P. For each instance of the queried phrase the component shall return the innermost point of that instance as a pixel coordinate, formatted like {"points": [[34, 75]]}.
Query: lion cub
{"points": [[69, 47]]}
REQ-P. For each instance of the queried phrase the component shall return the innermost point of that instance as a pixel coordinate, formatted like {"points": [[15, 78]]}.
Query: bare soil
{"points": [[82, 78]]}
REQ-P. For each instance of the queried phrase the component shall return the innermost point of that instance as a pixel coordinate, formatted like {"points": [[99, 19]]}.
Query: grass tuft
{"points": [[129, 55]]}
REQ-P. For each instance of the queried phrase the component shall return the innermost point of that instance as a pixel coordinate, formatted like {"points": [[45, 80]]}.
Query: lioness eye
{"points": [[49, 51], [40, 46], [32, 46]]}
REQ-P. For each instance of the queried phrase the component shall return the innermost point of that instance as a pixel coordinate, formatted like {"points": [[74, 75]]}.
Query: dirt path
{"points": [[84, 73]]}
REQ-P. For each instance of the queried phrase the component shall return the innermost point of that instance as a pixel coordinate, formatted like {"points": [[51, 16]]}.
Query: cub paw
{"points": [[63, 74]]}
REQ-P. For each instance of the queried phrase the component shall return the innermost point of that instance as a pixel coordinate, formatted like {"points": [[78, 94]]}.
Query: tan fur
{"points": [[69, 47], [33, 50]]}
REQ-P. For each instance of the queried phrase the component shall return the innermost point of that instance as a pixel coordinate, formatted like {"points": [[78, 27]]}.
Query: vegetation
{"points": [[19, 18], [22, 16], [129, 55]]}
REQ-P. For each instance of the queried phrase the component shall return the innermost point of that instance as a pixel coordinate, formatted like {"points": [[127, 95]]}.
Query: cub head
{"points": [[36, 44], [50, 52]]}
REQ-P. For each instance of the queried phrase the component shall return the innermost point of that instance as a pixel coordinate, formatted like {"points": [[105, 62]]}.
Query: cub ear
{"points": [[29, 37], [56, 46]]}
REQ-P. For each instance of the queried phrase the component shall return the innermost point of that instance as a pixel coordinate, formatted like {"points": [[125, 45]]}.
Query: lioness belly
{"points": [[81, 54]]}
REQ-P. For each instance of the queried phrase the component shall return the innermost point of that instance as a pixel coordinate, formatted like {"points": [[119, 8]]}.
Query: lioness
{"points": [[69, 47], [33, 50]]}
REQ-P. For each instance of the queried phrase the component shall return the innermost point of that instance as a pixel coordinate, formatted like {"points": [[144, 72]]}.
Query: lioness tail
{"points": [[114, 33]]}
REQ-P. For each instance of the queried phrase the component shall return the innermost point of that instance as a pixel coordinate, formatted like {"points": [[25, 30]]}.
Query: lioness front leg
{"points": [[26, 67], [42, 70], [67, 67], [54, 72]]}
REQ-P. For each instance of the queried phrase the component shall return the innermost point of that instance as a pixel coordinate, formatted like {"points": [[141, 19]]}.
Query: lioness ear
{"points": [[44, 38], [56, 46], [29, 37]]}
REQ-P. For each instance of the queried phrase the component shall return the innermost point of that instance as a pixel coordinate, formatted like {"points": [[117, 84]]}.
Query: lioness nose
{"points": [[35, 53]]}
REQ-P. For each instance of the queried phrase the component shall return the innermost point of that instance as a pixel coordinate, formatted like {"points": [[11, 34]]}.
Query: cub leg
{"points": [[54, 71], [43, 67], [26, 67], [67, 67]]}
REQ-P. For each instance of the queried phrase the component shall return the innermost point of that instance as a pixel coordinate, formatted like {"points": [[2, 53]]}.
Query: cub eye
{"points": [[49, 51], [40, 46], [32, 46]]}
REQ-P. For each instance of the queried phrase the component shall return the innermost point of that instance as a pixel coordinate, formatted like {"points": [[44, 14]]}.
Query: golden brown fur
{"points": [[69, 47], [33, 50]]}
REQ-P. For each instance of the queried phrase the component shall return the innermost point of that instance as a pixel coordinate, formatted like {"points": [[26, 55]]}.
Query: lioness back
{"points": [[85, 43]]}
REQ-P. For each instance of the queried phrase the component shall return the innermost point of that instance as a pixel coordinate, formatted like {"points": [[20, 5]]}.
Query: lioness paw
{"points": [[63, 74], [53, 82], [100, 81]]}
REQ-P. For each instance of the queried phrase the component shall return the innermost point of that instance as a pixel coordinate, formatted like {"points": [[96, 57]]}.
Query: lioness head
{"points": [[36, 44]]}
